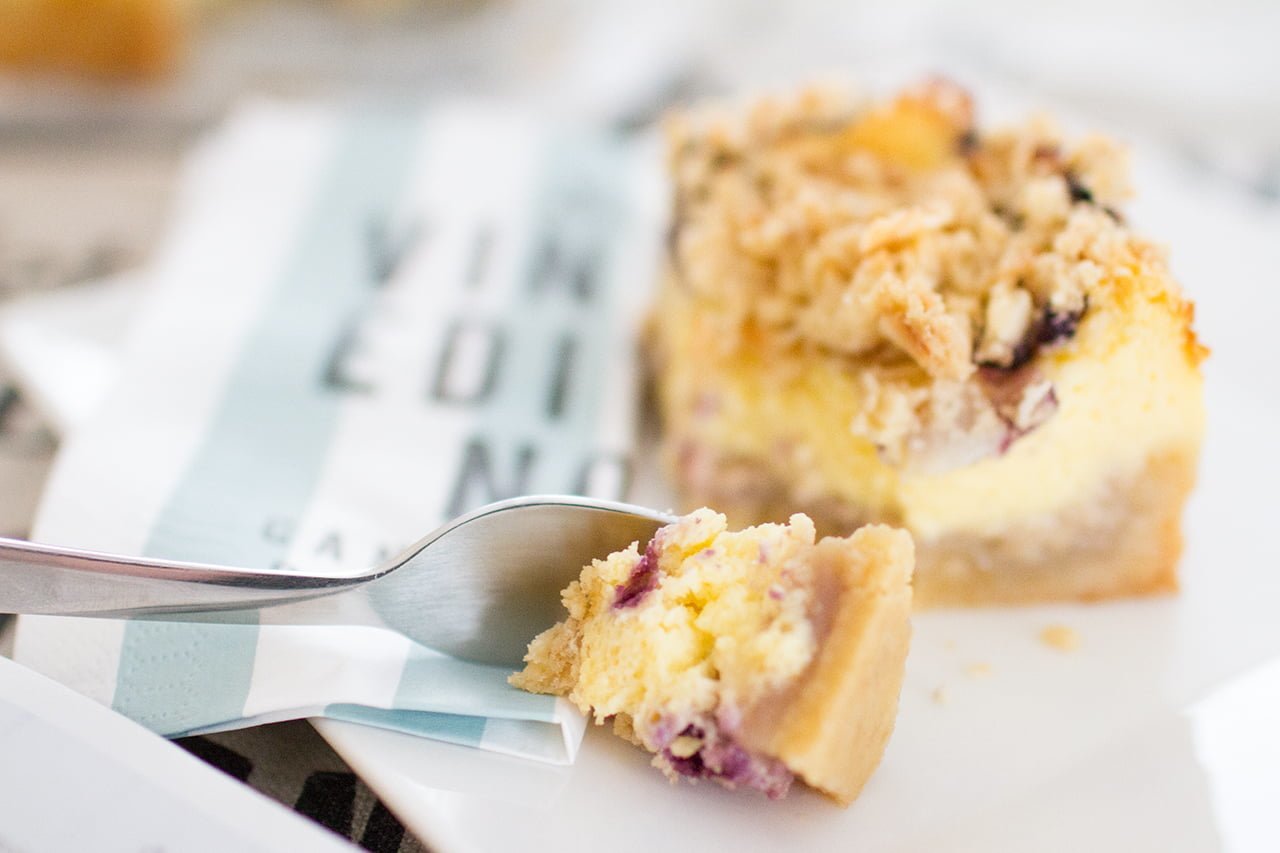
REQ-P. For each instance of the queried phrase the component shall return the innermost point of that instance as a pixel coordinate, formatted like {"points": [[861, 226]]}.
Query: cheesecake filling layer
{"points": [[1090, 411]]}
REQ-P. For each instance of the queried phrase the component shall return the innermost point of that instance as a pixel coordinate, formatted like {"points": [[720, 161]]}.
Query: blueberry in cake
{"points": [[749, 657], [879, 313]]}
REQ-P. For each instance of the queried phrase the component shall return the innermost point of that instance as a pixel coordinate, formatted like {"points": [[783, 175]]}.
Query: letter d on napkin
{"points": [[361, 326]]}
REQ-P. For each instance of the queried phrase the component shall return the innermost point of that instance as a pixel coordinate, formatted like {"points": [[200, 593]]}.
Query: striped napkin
{"points": [[362, 325]]}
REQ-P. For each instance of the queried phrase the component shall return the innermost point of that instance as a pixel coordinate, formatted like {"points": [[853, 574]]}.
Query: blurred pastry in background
{"points": [[149, 39], [126, 39]]}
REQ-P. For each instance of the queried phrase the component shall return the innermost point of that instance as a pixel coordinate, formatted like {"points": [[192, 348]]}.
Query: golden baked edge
{"points": [[834, 731]]}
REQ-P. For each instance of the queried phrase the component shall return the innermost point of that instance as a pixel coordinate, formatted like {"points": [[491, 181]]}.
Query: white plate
{"points": [[1040, 741], [76, 776], [1203, 779], [1044, 728], [994, 745]]}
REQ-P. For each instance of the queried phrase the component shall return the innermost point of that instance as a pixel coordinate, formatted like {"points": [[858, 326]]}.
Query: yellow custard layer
{"points": [[1128, 386]]}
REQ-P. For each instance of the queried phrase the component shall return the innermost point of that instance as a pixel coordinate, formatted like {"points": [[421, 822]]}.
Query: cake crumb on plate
{"points": [[1061, 637]]}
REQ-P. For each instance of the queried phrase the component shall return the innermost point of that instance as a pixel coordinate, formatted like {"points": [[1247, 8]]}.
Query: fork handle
{"points": [[49, 579]]}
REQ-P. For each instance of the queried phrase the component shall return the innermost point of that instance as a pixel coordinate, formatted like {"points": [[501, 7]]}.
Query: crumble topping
{"points": [[899, 236], [938, 427]]}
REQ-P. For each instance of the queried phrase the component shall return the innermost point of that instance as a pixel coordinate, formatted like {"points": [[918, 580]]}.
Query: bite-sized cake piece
{"points": [[879, 312], [746, 657]]}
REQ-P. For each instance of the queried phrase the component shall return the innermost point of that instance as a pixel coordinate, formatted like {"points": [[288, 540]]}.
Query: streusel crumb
{"points": [[978, 670], [1061, 637]]}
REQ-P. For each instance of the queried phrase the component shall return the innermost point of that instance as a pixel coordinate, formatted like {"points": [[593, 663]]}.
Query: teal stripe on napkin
{"points": [[264, 450], [174, 677], [538, 423], [431, 681], [553, 320], [451, 728]]}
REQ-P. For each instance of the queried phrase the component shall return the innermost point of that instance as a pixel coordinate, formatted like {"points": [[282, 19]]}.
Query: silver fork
{"points": [[478, 588]]}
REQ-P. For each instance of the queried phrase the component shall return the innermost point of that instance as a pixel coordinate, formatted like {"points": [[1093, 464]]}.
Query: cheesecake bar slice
{"points": [[881, 312], [749, 658]]}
